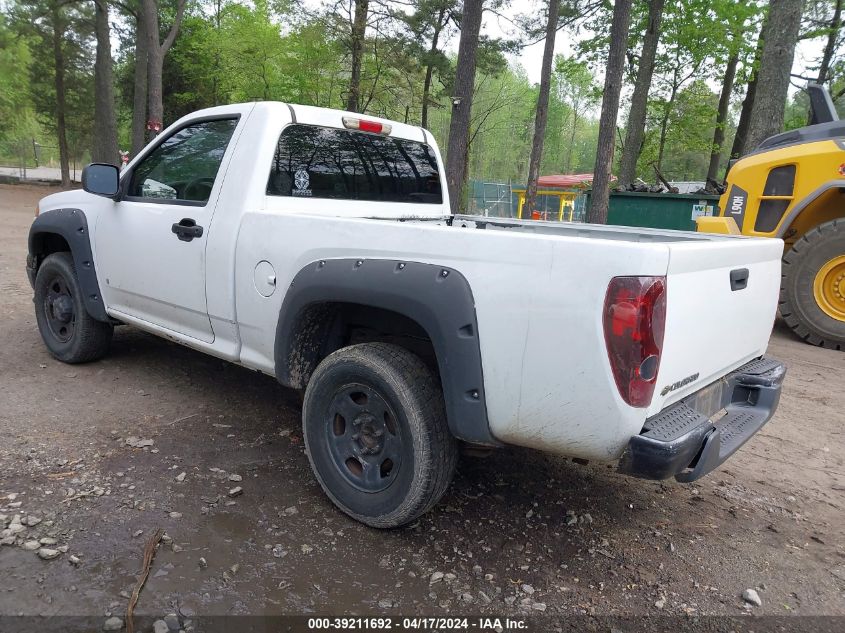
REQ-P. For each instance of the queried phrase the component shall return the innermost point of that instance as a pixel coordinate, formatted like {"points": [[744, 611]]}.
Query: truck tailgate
{"points": [[721, 302]]}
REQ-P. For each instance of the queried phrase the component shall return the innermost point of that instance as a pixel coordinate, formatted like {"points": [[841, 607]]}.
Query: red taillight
{"points": [[634, 324], [375, 127], [369, 126]]}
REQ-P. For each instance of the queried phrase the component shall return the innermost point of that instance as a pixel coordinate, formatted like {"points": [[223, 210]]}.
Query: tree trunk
{"points": [[104, 148], [664, 128], [830, 47], [429, 68], [155, 60], [609, 112], [215, 82], [780, 34], [139, 96], [458, 146], [722, 116], [571, 146], [359, 27], [542, 115], [748, 102], [639, 100], [59, 82], [738, 147], [664, 121]]}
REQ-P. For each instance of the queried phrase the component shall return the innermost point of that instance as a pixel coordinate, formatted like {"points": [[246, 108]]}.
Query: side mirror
{"points": [[101, 179]]}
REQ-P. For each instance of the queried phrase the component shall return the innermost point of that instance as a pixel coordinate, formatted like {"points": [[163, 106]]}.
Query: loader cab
{"points": [[791, 183]]}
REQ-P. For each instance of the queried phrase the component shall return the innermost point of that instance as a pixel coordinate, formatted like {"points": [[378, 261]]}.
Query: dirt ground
{"points": [[75, 466]]}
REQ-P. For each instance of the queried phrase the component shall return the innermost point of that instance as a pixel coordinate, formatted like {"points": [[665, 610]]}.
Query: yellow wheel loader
{"points": [[793, 187]]}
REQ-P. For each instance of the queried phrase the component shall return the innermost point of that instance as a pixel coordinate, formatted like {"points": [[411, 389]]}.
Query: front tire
{"points": [[376, 435], [812, 296], [69, 332]]}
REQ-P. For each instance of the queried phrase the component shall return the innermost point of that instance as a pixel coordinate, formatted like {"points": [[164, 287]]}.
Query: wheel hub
{"points": [[829, 288], [363, 438], [369, 434], [62, 307], [59, 309]]}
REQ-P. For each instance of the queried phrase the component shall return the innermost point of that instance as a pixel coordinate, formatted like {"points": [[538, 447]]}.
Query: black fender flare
{"points": [[438, 298], [72, 226]]}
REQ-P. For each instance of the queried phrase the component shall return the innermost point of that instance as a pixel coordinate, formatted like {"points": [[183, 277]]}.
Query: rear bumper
{"points": [[694, 436]]}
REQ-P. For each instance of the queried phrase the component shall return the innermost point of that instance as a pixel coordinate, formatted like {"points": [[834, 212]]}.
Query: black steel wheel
{"points": [[376, 434], [59, 308], [68, 331], [363, 438]]}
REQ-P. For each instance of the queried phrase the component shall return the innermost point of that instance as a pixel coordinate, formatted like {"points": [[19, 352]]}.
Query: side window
{"points": [[185, 165], [320, 162]]}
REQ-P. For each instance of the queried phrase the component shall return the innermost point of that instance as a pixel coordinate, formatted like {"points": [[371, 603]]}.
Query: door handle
{"points": [[187, 229], [739, 279]]}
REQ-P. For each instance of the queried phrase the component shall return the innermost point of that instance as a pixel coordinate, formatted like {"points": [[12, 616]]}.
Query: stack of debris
{"points": [[640, 186], [712, 188]]}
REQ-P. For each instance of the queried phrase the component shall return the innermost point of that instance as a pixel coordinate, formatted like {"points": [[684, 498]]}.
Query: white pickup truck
{"points": [[317, 246]]}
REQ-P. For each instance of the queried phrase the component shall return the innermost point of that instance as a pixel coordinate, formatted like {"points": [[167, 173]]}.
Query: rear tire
{"points": [[69, 332], [376, 434], [811, 298]]}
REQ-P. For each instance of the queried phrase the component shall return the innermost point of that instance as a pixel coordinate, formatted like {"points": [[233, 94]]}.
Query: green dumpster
{"points": [[659, 210]]}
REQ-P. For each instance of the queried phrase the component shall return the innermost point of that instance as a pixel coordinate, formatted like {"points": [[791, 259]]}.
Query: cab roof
{"points": [[312, 115]]}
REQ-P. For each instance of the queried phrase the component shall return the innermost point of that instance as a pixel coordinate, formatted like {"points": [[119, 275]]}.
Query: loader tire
{"points": [[812, 294]]}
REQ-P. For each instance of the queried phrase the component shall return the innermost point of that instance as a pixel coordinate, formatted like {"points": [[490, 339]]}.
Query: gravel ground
{"points": [[95, 458]]}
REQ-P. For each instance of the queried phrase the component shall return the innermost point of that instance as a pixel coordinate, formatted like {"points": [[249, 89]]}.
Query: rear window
{"points": [[318, 162]]}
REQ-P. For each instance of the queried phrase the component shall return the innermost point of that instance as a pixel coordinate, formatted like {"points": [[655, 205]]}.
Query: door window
{"points": [[184, 166], [320, 162]]}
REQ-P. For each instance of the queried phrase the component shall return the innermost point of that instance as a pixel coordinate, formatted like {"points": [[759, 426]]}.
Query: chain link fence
{"points": [[501, 200], [28, 159]]}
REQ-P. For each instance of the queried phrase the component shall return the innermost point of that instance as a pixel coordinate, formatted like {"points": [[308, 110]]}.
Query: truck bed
{"points": [[593, 231]]}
